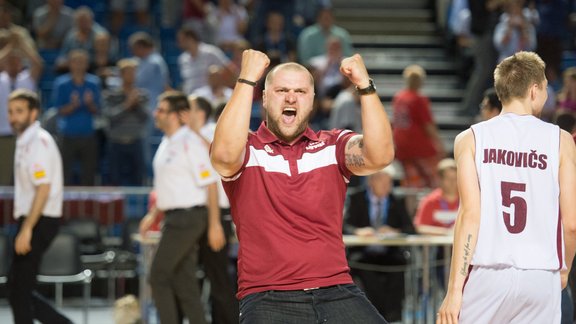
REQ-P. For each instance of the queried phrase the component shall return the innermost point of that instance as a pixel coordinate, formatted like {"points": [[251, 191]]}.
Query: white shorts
{"points": [[510, 295]]}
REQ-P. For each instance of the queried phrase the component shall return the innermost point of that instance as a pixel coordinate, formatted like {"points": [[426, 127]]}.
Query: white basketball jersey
{"points": [[517, 160]]}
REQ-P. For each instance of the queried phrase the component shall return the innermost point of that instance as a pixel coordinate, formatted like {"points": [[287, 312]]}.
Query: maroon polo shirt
{"points": [[287, 203]]}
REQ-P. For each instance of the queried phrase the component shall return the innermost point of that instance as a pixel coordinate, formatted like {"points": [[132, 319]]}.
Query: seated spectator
{"points": [[275, 42], [515, 32], [76, 95], [52, 22], [230, 21], [567, 94], [13, 76], [491, 105], [152, 73], [312, 40], [127, 115], [118, 7], [437, 211], [89, 36], [216, 91], [376, 211], [196, 58], [418, 144]]}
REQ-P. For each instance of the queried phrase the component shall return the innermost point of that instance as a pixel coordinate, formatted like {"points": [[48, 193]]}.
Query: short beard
{"points": [[275, 129]]}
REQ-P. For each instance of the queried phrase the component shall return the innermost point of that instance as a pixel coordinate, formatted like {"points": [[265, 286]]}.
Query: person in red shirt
{"points": [[418, 145], [437, 211]]}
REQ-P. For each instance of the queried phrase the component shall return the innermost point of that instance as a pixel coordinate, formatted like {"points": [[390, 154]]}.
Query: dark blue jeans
{"points": [[344, 304]]}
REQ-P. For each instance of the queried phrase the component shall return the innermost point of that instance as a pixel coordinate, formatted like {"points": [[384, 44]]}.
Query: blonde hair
{"points": [[127, 63], [414, 76], [514, 76]]}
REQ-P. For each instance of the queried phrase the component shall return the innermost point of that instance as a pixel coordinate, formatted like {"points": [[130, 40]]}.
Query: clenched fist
{"points": [[254, 63], [354, 69]]}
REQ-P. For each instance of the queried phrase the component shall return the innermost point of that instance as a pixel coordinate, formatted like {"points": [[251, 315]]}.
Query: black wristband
{"points": [[252, 83]]}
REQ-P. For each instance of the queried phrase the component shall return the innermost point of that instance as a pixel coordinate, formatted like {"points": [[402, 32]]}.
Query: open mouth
{"points": [[288, 115]]}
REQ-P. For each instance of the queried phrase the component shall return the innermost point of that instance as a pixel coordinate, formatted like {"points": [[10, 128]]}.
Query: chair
{"points": [[61, 264]]}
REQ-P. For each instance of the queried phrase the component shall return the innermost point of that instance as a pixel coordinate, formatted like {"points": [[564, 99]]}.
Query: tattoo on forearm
{"points": [[354, 160], [467, 256], [359, 141]]}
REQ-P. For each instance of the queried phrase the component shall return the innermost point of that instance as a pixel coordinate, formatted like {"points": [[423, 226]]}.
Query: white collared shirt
{"points": [[37, 161], [182, 170]]}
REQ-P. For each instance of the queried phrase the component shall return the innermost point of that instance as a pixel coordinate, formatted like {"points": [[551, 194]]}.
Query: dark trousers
{"points": [[25, 302], [83, 150], [126, 163], [173, 271], [340, 304], [224, 303]]}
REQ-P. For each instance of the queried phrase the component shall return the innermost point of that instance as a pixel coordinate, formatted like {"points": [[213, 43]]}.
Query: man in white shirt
{"points": [[37, 207], [185, 184]]}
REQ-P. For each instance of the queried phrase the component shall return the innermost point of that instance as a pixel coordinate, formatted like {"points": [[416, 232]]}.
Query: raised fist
{"points": [[254, 63], [354, 69]]}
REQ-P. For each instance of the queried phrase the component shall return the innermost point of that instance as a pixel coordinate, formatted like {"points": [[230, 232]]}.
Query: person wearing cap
{"points": [[377, 211]]}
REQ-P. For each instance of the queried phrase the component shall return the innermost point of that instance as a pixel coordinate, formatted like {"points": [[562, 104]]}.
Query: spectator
{"points": [[118, 7], [89, 36], [196, 58], [377, 211], [491, 105], [195, 16], [230, 21], [127, 115], [76, 95], [346, 111], [567, 95], [313, 39], [152, 72], [52, 22], [7, 11], [216, 92], [326, 68], [275, 42], [14, 76], [418, 144], [437, 211], [515, 32]]}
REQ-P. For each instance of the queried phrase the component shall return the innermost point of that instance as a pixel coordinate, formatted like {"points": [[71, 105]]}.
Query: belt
{"points": [[179, 210]]}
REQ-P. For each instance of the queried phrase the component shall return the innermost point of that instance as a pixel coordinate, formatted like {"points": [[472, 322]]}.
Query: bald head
{"points": [[291, 66]]}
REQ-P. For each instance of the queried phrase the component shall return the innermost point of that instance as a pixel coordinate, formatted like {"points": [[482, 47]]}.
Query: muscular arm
{"points": [[567, 178], [231, 132], [24, 237], [374, 149], [466, 228]]}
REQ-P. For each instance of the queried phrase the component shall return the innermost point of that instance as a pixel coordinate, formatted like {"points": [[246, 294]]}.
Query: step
{"points": [[435, 95], [431, 81], [389, 28], [383, 66], [383, 15], [405, 41], [412, 4]]}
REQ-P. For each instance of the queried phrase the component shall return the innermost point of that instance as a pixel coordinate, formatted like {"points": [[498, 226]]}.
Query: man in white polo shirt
{"points": [[185, 185], [37, 207]]}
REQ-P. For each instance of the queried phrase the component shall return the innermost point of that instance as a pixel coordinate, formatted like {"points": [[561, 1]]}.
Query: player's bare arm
{"points": [[231, 133], [567, 178], [374, 149], [466, 227]]}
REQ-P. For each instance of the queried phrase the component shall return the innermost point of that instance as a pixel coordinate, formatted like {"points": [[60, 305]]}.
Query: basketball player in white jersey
{"points": [[516, 174]]}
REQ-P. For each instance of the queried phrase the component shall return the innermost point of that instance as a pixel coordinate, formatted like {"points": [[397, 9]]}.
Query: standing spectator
{"points": [[515, 32], [127, 116], [436, 213], [118, 7], [216, 91], [313, 39], [37, 208], [196, 59], [89, 36], [516, 228], [152, 72], [14, 76], [418, 144], [231, 21], [52, 22], [377, 211], [275, 42], [185, 185], [286, 185], [76, 95], [215, 262], [483, 18], [491, 105]]}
